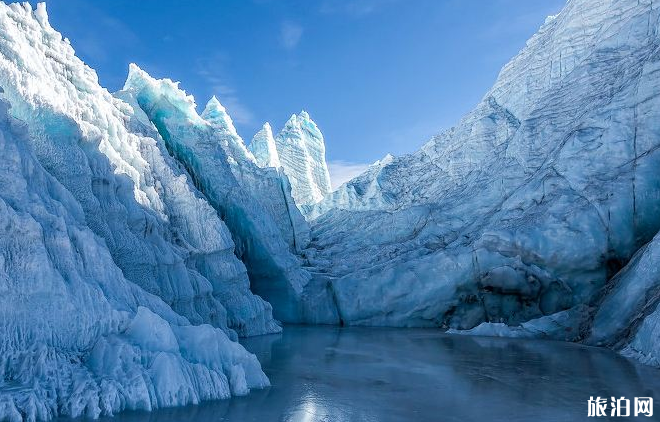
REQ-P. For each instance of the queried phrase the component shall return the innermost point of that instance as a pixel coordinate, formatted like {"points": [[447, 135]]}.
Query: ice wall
{"points": [[628, 318], [108, 252], [243, 194], [76, 337], [527, 208], [268, 186]]}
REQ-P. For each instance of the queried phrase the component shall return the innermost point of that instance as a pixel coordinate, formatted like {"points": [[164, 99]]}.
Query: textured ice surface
{"points": [[264, 148], [301, 152], [268, 186], [161, 233], [76, 337], [389, 375], [629, 318], [105, 241], [569, 325], [528, 206], [134, 231], [253, 202]]}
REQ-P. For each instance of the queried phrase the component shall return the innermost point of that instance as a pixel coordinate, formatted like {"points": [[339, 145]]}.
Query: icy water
{"points": [[363, 374]]}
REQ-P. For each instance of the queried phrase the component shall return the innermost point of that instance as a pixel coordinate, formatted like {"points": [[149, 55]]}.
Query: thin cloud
{"points": [[342, 171], [211, 70], [356, 8], [290, 35]]}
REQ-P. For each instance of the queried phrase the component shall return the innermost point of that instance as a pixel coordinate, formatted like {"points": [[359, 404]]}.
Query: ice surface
{"points": [[104, 235], [264, 148], [161, 232], [136, 234], [569, 325], [628, 317], [268, 186], [217, 116], [253, 202], [364, 374], [527, 207], [301, 152]]}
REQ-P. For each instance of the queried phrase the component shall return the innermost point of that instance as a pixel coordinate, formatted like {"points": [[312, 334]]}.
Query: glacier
{"points": [[264, 148], [122, 286], [529, 218], [242, 193], [299, 151], [139, 238], [77, 338]]}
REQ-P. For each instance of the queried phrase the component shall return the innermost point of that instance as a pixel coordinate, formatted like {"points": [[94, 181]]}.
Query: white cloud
{"points": [[342, 171], [290, 35]]}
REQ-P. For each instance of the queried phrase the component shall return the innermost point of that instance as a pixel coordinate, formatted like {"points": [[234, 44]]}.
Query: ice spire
{"points": [[301, 150], [264, 149], [138, 80], [216, 115]]}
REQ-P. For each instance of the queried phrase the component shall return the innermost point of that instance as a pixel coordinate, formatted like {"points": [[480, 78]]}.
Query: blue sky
{"points": [[378, 76]]}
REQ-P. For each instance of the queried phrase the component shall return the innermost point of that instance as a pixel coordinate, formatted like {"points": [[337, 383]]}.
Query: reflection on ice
{"points": [[362, 374]]}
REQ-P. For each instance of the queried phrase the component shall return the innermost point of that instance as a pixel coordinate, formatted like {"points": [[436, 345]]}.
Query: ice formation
{"points": [[139, 238], [264, 148], [106, 239], [254, 203], [301, 152], [520, 216]]}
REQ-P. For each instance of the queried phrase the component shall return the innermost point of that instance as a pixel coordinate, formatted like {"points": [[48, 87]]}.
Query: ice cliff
{"points": [[254, 203], [122, 268], [528, 218]]}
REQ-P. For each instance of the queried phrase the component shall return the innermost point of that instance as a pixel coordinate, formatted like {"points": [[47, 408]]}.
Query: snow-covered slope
{"points": [[528, 206], [301, 153]]}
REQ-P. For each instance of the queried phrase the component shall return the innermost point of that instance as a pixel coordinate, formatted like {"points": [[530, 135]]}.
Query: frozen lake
{"points": [[366, 374]]}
